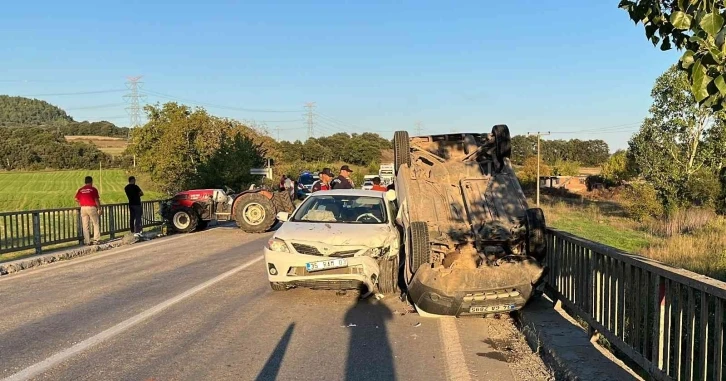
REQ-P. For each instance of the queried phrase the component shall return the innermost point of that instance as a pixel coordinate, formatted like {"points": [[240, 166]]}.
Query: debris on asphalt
{"points": [[379, 296], [349, 325], [417, 324]]}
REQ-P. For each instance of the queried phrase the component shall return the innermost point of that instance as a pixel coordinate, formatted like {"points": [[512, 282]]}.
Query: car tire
{"points": [[184, 220], [388, 275], [254, 213], [203, 224], [401, 150], [503, 141], [536, 244], [420, 248], [276, 286]]}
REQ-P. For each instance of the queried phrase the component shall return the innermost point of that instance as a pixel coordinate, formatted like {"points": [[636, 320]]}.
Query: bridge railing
{"points": [[669, 321], [38, 229]]}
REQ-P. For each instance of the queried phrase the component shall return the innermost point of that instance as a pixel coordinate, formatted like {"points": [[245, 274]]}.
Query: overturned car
{"points": [[337, 240], [472, 244]]}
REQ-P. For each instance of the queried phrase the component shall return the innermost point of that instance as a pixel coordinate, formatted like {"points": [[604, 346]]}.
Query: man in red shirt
{"points": [[90, 203], [377, 185]]}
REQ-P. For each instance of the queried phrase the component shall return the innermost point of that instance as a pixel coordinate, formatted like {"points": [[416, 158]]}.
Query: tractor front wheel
{"points": [[184, 220], [254, 213]]}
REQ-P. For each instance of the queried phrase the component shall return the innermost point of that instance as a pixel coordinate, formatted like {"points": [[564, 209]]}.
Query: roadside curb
{"points": [[565, 346], [15, 266]]}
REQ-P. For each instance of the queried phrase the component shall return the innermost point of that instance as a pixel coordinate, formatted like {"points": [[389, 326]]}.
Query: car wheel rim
{"points": [[181, 220], [254, 213]]}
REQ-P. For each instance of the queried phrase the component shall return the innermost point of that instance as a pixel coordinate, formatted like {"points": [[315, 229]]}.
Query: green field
{"points": [[56, 189]]}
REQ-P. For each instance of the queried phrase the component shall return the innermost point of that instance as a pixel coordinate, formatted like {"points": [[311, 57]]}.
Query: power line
{"points": [[75, 93], [172, 97], [310, 121], [109, 105]]}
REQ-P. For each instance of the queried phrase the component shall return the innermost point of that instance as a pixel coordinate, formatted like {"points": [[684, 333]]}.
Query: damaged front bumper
{"points": [[481, 291], [291, 269]]}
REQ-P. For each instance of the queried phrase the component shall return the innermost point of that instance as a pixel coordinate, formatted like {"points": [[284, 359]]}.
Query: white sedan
{"points": [[339, 240]]}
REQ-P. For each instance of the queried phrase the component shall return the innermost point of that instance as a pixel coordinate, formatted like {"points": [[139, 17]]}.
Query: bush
{"points": [[565, 168], [703, 188], [641, 201], [681, 221], [592, 182], [619, 167]]}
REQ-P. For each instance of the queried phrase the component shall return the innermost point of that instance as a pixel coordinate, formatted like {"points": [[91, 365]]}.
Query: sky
{"points": [[579, 69]]}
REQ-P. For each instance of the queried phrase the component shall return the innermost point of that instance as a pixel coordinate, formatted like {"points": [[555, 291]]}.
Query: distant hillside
{"points": [[20, 111]]}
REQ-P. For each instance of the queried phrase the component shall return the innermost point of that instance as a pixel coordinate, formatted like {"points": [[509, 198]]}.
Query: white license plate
{"points": [[482, 309], [324, 265]]}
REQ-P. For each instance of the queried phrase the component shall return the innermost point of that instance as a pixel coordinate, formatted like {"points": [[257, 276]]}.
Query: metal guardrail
{"points": [[36, 229], [669, 321]]}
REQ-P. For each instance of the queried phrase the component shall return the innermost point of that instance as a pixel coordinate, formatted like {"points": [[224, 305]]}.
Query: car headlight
{"points": [[376, 252], [276, 244]]}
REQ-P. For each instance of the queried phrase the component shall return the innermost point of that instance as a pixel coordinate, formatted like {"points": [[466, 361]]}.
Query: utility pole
{"points": [[134, 108], [311, 123], [277, 129], [539, 135], [418, 128]]}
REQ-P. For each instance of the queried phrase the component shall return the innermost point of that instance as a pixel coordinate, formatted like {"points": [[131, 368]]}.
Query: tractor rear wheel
{"points": [[254, 213], [420, 249], [536, 243], [184, 220], [282, 202], [401, 149]]}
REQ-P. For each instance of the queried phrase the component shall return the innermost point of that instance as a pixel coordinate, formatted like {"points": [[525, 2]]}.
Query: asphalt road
{"points": [[199, 307]]}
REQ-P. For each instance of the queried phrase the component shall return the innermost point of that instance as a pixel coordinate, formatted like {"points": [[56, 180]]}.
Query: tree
{"points": [[668, 149], [696, 26], [181, 148], [528, 173], [619, 167], [523, 147], [20, 111]]}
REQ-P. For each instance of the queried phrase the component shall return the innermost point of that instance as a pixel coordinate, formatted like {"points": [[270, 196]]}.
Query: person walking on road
{"points": [[377, 185], [90, 202], [343, 181], [134, 193], [326, 175]]}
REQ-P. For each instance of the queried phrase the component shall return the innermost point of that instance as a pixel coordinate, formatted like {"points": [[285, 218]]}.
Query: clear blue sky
{"points": [[534, 65]]}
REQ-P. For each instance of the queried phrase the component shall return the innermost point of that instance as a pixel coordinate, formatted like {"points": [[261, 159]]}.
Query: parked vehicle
{"points": [[307, 179], [337, 239], [387, 173], [254, 210], [367, 185], [473, 245]]}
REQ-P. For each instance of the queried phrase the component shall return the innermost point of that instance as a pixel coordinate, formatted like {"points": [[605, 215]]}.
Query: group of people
{"points": [[327, 181], [89, 200]]}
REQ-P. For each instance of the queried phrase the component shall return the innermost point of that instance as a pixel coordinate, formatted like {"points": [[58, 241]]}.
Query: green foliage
{"points": [[359, 149], [696, 26], [641, 202], [528, 174], [16, 111], [585, 152], [619, 167], [703, 188], [181, 148], [565, 168], [677, 140]]}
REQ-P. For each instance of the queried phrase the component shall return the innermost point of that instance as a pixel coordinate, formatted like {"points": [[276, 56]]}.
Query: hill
{"points": [[20, 111]]}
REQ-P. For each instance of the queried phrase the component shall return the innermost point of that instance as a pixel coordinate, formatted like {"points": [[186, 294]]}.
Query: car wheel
{"points": [[278, 286], [420, 248], [388, 275], [401, 149], [536, 229], [254, 213], [184, 220], [503, 141]]}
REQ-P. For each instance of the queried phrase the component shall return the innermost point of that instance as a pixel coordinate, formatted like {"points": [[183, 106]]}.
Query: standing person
{"points": [[326, 175], [343, 181], [289, 186], [134, 193], [88, 199], [282, 182], [377, 185]]}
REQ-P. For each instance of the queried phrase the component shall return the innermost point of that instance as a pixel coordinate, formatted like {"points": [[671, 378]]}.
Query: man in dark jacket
{"points": [[326, 175], [343, 181], [134, 193]]}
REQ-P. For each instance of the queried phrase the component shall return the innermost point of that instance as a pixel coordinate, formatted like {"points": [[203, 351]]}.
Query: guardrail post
{"points": [[111, 222], [36, 233], [79, 226]]}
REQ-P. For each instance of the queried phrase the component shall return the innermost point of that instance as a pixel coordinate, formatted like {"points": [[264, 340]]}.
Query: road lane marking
{"points": [[456, 368], [65, 354]]}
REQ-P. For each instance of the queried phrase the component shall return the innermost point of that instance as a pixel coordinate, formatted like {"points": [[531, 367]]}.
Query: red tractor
{"points": [[254, 210]]}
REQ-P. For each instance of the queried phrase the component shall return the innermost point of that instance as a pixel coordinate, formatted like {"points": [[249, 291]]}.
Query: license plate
{"points": [[324, 265], [482, 309]]}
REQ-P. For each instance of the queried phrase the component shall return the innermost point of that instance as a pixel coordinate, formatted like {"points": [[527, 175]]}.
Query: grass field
{"points": [[56, 189], [109, 145]]}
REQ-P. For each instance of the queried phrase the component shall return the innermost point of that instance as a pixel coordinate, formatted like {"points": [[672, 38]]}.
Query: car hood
{"points": [[337, 234]]}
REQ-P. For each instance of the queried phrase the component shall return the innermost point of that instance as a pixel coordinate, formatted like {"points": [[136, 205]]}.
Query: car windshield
{"points": [[342, 209], [306, 180]]}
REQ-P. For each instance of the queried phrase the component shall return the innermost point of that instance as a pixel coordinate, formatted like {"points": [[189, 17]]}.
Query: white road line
{"points": [[57, 358], [456, 368]]}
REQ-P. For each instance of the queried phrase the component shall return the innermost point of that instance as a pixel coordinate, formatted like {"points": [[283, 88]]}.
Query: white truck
{"points": [[387, 173]]}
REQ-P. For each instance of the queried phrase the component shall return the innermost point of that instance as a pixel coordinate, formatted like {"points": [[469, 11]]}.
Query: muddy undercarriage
{"points": [[473, 245]]}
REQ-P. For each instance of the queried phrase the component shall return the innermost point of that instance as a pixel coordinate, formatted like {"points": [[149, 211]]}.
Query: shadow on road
{"points": [[272, 366], [369, 352]]}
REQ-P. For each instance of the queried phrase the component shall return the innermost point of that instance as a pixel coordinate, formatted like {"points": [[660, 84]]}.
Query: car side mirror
{"points": [[391, 195], [283, 216]]}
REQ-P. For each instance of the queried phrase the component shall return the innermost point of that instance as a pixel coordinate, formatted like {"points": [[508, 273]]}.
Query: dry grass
{"points": [[110, 145], [683, 221]]}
